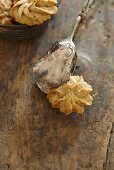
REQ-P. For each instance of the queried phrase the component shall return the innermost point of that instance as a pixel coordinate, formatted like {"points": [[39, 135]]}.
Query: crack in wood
{"points": [[106, 163], [107, 30]]}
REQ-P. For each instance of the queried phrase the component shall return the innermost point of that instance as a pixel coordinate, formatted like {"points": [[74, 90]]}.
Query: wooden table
{"points": [[33, 136]]}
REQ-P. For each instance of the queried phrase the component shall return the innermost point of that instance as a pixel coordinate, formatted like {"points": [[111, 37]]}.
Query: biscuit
{"points": [[5, 6], [32, 12], [72, 96]]}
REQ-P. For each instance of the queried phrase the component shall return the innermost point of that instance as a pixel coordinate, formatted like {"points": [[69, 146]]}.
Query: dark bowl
{"points": [[21, 31]]}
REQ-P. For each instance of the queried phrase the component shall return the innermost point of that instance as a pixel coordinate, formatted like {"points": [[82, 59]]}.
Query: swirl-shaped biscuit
{"points": [[5, 6], [72, 96], [33, 12]]}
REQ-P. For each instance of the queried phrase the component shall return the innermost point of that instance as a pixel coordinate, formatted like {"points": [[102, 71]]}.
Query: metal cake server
{"points": [[59, 62]]}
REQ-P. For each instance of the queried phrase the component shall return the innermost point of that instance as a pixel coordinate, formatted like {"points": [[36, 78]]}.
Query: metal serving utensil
{"points": [[59, 62]]}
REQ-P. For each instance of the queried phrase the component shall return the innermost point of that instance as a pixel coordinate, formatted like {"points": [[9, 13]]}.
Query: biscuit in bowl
{"points": [[5, 6], [33, 12]]}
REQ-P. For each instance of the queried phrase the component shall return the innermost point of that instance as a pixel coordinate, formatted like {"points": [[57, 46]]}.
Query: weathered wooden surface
{"points": [[33, 136]]}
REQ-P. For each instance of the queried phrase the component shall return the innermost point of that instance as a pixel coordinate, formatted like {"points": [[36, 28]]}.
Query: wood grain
{"points": [[33, 136]]}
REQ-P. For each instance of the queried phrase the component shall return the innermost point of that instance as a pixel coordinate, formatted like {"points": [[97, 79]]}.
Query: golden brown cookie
{"points": [[5, 6], [46, 3], [72, 96], [33, 12]]}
